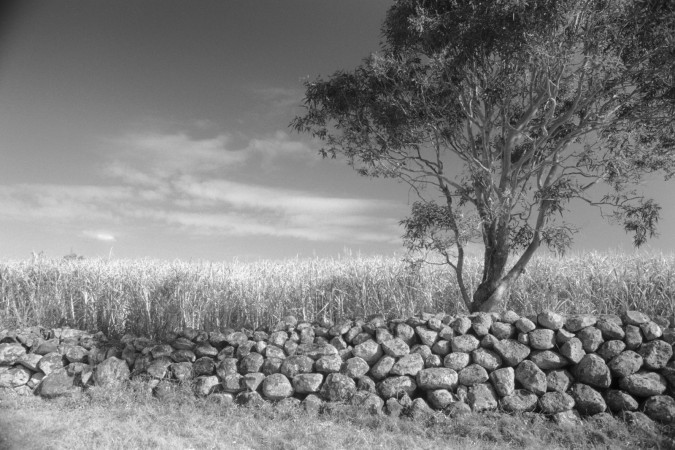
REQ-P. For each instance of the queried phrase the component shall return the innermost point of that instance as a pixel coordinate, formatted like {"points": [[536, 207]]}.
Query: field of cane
{"points": [[150, 297]]}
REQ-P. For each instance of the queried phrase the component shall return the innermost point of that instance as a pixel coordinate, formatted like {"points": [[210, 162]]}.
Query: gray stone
{"points": [[634, 318], [307, 383], [30, 361], [512, 352], [252, 381], [408, 365], [296, 364], [437, 378], [338, 387], [610, 330], [481, 323], [472, 375], [502, 330], [422, 350], [182, 371], [393, 407], [426, 336], [555, 402], [182, 356], [482, 397], [624, 364], [328, 364], [396, 386], [316, 351], [111, 373], [233, 383], [277, 387], [550, 320], [633, 338], [205, 366], [205, 349], [50, 362], [558, 380], [509, 317], [504, 381], [547, 360], [395, 347], [590, 338], [461, 325], [465, 343], [158, 367], [14, 377], [567, 419], [573, 350], [420, 410], [660, 408], [441, 348], [370, 351], [488, 359], [250, 399], [531, 377], [312, 404], [618, 401], [57, 383], [456, 361], [562, 336], [542, 339], [75, 353], [355, 367], [446, 333], [656, 354], [525, 325], [440, 398], [206, 385], [278, 338], [577, 322], [520, 401], [638, 420], [405, 332], [611, 349], [382, 367], [433, 361], [643, 384], [593, 371], [651, 331], [588, 400], [163, 350]]}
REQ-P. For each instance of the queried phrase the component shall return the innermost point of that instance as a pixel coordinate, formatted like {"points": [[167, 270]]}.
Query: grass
{"points": [[132, 418], [149, 297]]}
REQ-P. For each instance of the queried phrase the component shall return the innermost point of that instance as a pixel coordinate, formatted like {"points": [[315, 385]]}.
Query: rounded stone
{"points": [[457, 361], [408, 365], [547, 360], [588, 400], [550, 320], [394, 387], [656, 354], [555, 402], [382, 367], [512, 352], [465, 343], [611, 349], [440, 398], [577, 322], [307, 383], [520, 401], [593, 371], [482, 397], [590, 338], [355, 367], [472, 375], [296, 364], [437, 378], [558, 380], [643, 384], [395, 348], [624, 364], [634, 318], [618, 401], [660, 408], [338, 387], [504, 381], [277, 387], [370, 351], [111, 372], [531, 377], [488, 359], [542, 339]]}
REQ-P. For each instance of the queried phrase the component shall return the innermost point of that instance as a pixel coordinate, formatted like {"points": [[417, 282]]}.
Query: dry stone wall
{"points": [[561, 366]]}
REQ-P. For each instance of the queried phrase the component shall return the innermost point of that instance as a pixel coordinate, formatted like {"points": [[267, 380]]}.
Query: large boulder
{"points": [[338, 387], [111, 372], [396, 386], [661, 408], [555, 402], [531, 377], [644, 384], [593, 371], [57, 383], [588, 401], [512, 352], [437, 378], [277, 387]]}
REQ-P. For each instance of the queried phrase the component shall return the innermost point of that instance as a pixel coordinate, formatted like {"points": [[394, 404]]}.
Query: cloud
{"points": [[99, 235]]}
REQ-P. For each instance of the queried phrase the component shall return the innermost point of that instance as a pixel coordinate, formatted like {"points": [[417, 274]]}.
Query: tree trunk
{"points": [[489, 296], [490, 292]]}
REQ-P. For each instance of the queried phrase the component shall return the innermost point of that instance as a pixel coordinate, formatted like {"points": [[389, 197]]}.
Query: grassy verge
{"points": [[131, 418]]}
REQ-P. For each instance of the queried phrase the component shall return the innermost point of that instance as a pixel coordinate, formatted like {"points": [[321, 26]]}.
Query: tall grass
{"points": [[150, 297]]}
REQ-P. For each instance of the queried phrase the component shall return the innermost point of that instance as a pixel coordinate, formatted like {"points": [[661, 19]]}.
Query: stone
{"points": [[531, 377], [433, 361], [634, 318], [441, 348], [420, 410], [456, 361], [457, 409], [488, 342], [426, 336], [558, 380], [588, 401], [482, 397], [577, 322], [524, 338], [296, 364], [472, 375], [408, 365], [542, 339], [555, 402], [509, 317], [396, 386], [276, 387], [50, 362], [278, 338], [481, 323], [233, 383], [405, 332], [162, 350], [252, 381], [312, 404], [205, 367], [465, 343], [57, 383], [446, 333], [338, 387], [183, 356], [611, 349], [643, 384], [43, 348], [437, 378], [440, 398], [339, 343], [504, 381], [660, 408], [382, 367], [656, 354], [550, 320], [525, 325], [435, 324], [340, 328], [593, 371], [520, 401], [370, 351], [365, 383], [393, 407], [567, 419], [111, 373], [206, 385], [182, 371], [316, 351], [75, 353], [461, 325], [249, 399], [158, 367], [355, 367], [227, 366], [573, 350], [618, 401], [562, 336], [328, 364], [547, 360], [502, 330], [651, 331], [369, 402], [512, 352], [633, 337], [30, 361], [395, 347], [251, 363], [488, 359], [590, 338], [638, 420], [307, 383], [669, 335], [15, 377], [624, 364], [423, 350], [382, 335], [610, 330]]}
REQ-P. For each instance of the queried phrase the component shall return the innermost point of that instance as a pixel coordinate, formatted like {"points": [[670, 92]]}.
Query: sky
{"points": [[159, 128]]}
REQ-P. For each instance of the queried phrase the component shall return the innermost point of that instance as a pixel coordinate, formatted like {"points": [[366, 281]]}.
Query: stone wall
{"points": [[561, 366]]}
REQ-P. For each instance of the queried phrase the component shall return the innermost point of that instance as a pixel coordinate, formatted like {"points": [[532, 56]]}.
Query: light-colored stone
{"points": [[548, 360], [512, 352], [542, 339], [504, 381], [550, 320], [558, 380], [307, 383], [338, 387], [370, 351], [395, 348], [472, 375], [465, 343], [440, 398], [520, 401], [277, 387], [457, 361], [396, 386], [408, 365], [656, 354], [643, 384], [660, 408], [482, 397], [577, 322], [555, 402], [624, 364], [488, 359], [111, 373], [437, 378], [588, 401], [573, 350], [355, 367], [531, 377], [593, 371]]}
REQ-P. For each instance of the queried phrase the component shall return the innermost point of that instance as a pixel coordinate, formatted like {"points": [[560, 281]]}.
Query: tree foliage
{"points": [[500, 114]]}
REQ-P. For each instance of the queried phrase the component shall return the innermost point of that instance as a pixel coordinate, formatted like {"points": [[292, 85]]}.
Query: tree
{"points": [[501, 115]]}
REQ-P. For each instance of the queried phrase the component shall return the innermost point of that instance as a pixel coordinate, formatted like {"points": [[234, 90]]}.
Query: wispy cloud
{"points": [[103, 236]]}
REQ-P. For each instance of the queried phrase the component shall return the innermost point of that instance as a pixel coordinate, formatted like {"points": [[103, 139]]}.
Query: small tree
{"points": [[500, 113]]}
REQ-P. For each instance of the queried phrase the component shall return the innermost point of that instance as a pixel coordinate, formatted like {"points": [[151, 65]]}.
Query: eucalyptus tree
{"points": [[502, 115]]}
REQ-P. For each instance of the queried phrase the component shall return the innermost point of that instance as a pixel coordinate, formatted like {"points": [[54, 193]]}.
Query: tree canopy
{"points": [[500, 114]]}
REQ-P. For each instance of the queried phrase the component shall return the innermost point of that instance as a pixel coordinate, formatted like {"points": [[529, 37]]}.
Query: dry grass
{"points": [[131, 418], [149, 297]]}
